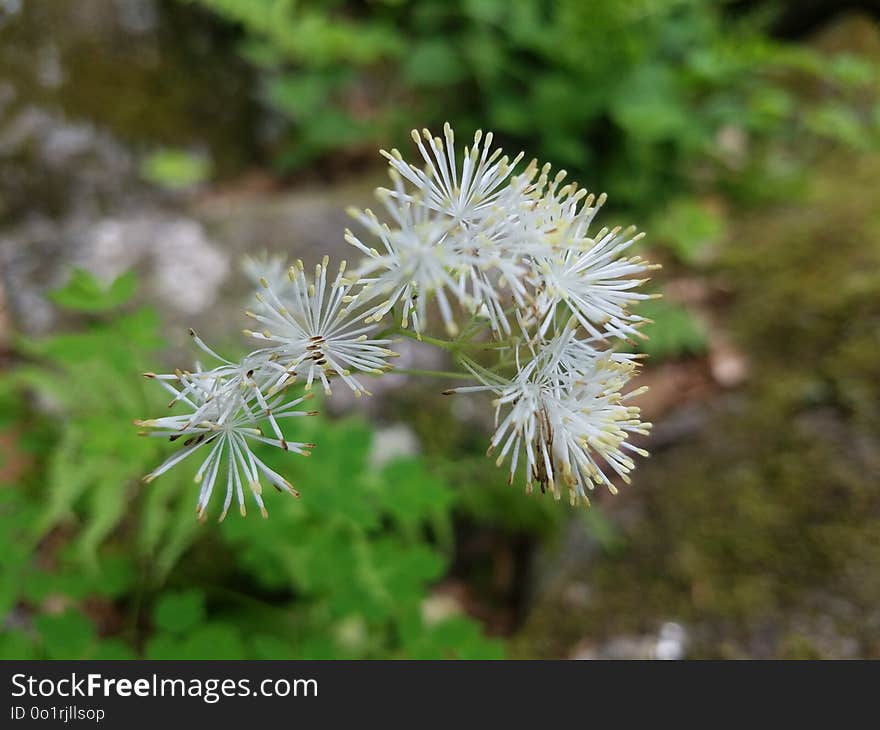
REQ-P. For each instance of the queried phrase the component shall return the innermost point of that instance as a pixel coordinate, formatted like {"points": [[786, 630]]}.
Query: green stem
{"points": [[432, 373], [452, 346], [443, 344]]}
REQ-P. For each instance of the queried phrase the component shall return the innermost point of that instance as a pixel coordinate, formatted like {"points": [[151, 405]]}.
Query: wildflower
{"points": [[272, 268], [313, 332], [463, 198], [417, 262], [448, 231], [224, 412], [565, 354], [514, 252], [553, 215], [564, 411], [492, 272], [591, 279]]}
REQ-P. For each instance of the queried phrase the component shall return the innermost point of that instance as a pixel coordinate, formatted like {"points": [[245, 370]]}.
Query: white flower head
{"points": [[564, 355], [224, 411], [447, 233], [594, 282], [564, 413], [464, 197], [415, 262], [553, 216], [316, 331]]}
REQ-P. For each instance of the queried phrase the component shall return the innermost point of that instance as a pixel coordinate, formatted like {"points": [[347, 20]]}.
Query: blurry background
{"points": [[147, 145]]}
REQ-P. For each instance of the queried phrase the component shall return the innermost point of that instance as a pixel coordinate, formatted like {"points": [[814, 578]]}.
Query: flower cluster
{"points": [[531, 300]]}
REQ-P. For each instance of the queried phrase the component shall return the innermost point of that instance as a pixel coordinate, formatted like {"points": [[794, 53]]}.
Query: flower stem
{"points": [[443, 344], [432, 373], [452, 346]]}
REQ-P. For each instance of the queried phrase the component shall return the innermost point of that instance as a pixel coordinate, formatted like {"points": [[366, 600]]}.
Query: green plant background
{"points": [[347, 570]]}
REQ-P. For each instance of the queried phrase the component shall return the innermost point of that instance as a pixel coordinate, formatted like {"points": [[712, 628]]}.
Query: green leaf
{"points": [[167, 526], [852, 71], [179, 612], [208, 641], [66, 636], [86, 293], [411, 495], [404, 571], [108, 498], [17, 645], [674, 330], [16, 553], [648, 105], [40, 584], [214, 641], [689, 228], [326, 131], [484, 11], [433, 63], [838, 124], [271, 647], [456, 637], [115, 576], [112, 649], [68, 478], [175, 169], [301, 95], [165, 647]]}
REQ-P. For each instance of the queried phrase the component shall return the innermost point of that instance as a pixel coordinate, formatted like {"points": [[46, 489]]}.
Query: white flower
{"points": [[552, 218], [464, 197], [316, 331], [492, 273], [564, 411], [446, 236], [417, 261], [565, 356], [225, 411], [594, 282], [594, 420], [496, 244], [255, 371]]}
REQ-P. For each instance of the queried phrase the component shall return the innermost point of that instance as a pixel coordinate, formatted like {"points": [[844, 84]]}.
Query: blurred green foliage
{"points": [[644, 98], [689, 229], [98, 565], [175, 169], [673, 331]]}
